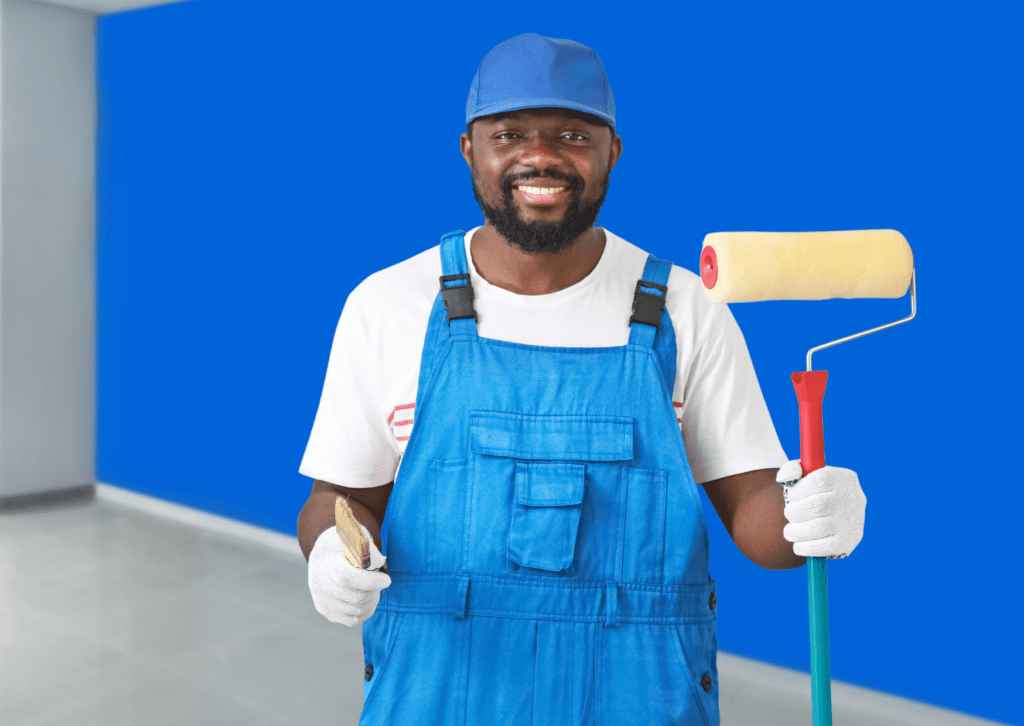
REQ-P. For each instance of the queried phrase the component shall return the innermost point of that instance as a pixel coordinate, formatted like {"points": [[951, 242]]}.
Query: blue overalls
{"points": [[546, 542]]}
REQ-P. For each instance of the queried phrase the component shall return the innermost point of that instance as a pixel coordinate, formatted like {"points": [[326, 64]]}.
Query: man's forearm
{"points": [[318, 515], [758, 525]]}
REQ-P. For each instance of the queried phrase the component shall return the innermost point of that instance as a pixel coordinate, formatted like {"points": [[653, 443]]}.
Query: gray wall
{"points": [[47, 247]]}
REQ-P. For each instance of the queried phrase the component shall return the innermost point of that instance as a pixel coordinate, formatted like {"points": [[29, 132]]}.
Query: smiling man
{"points": [[536, 430], [559, 200], [540, 211]]}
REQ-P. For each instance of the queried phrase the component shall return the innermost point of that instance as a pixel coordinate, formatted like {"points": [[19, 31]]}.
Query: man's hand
{"points": [[825, 510], [342, 593]]}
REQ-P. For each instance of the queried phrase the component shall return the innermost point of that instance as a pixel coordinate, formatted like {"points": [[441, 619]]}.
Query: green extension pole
{"points": [[821, 676]]}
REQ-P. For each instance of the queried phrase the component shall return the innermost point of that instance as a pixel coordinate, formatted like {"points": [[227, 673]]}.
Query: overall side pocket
{"points": [[697, 650], [380, 632], [545, 516], [643, 672]]}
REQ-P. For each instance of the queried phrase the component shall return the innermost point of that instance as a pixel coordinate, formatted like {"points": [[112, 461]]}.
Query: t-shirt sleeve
{"points": [[351, 443], [725, 424]]}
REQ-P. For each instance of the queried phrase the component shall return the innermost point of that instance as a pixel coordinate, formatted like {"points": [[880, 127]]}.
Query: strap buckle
{"points": [[458, 300], [647, 307]]}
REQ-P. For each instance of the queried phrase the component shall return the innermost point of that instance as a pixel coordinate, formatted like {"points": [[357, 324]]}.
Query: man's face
{"points": [[516, 158]]}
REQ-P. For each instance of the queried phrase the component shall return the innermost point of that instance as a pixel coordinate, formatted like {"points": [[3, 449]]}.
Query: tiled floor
{"points": [[113, 616]]}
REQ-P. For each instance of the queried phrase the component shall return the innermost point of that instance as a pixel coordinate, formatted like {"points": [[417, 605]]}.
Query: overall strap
{"points": [[649, 303], [456, 288]]}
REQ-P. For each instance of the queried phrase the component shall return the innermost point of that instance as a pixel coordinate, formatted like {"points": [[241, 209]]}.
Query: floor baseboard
{"points": [[51, 499], [884, 707], [199, 518]]}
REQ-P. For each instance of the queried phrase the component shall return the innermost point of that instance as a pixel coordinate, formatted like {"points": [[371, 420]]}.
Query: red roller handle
{"points": [[810, 390]]}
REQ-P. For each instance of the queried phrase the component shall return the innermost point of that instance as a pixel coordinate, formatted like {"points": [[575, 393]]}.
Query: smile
{"points": [[540, 195]]}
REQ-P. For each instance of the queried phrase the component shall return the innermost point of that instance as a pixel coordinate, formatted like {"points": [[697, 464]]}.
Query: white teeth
{"points": [[540, 190]]}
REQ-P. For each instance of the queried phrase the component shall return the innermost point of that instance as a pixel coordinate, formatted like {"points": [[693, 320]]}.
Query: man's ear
{"points": [[616, 150], [466, 146]]}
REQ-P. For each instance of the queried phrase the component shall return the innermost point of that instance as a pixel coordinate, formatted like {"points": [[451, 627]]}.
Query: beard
{"points": [[541, 237]]}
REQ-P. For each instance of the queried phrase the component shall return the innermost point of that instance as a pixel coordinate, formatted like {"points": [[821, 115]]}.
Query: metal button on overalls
{"points": [[545, 539]]}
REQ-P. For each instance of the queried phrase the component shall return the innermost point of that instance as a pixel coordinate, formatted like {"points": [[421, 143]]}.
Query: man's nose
{"points": [[539, 153]]}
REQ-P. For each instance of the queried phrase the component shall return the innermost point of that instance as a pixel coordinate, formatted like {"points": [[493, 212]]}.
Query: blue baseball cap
{"points": [[532, 71]]}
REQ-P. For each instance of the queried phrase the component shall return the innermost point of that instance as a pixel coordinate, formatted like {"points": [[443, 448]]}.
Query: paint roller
{"points": [[752, 266]]}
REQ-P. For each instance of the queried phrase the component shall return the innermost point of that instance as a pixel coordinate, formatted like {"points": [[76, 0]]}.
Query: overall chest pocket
{"points": [[546, 515], [559, 468]]}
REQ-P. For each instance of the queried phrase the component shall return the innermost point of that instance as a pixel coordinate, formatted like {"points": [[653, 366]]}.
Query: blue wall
{"points": [[258, 160]]}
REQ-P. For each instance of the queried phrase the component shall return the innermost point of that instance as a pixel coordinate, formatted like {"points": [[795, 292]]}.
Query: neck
{"points": [[504, 265]]}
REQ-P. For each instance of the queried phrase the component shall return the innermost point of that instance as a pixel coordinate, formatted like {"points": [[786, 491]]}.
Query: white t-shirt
{"points": [[367, 408]]}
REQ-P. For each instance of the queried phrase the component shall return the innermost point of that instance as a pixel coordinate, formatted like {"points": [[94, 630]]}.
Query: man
{"points": [[552, 407]]}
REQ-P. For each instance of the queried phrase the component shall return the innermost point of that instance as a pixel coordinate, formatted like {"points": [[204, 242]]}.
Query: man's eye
{"points": [[573, 133], [505, 133]]}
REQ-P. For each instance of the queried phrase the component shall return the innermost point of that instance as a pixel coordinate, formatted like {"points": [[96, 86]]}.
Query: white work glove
{"points": [[341, 592], [825, 510]]}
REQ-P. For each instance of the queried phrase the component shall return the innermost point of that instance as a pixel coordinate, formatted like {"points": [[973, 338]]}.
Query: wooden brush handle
{"points": [[357, 546]]}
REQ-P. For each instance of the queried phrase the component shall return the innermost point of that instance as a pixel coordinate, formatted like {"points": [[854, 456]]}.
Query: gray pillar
{"points": [[47, 253]]}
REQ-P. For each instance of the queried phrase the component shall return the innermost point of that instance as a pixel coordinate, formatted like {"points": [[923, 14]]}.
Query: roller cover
{"points": [[751, 266]]}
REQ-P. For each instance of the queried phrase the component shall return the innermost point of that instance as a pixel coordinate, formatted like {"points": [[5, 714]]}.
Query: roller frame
{"points": [[913, 312]]}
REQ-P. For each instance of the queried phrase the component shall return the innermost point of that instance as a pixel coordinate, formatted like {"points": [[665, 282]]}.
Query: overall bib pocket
{"points": [[540, 483], [643, 557], [546, 515], [447, 492]]}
